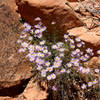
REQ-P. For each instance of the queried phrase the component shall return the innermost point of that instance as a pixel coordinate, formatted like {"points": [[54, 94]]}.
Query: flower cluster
{"points": [[53, 59], [89, 84]]}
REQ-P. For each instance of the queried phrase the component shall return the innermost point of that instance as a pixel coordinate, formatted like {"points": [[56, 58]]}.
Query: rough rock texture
{"points": [[10, 61], [93, 64], [31, 92], [38, 94], [91, 33], [74, 0], [66, 18], [89, 36], [15, 71], [49, 10]]}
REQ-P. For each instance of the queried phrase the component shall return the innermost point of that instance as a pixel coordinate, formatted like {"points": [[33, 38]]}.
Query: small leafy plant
{"points": [[60, 64]]}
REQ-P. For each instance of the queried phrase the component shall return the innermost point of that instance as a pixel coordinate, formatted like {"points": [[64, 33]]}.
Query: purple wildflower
{"points": [[97, 70], [54, 88], [83, 86]]}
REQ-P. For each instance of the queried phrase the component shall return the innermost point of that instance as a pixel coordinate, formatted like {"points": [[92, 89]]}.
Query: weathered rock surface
{"points": [[11, 62], [61, 12], [93, 64], [91, 33], [15, 71], [49, 10], [74, 0], [38, 94], [31, 92], [90, 36]]}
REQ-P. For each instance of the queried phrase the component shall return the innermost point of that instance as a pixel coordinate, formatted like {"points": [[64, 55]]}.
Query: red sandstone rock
{"points": [[74, 0], [34, 92], [13, 69], [91, 37], [49, 10]]}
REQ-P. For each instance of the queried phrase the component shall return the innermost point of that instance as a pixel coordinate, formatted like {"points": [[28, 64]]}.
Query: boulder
{"points": [[89, 36], [49, 10], [29, 93], [90, 33], [61, 12], [14, 70]]}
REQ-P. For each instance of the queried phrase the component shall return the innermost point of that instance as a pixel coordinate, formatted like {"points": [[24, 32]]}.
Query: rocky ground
{"points": [[15, 71]]}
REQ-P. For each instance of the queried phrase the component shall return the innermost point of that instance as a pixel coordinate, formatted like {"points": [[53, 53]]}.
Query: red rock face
{"points": [[74, 0], [15, 71], [91, 36], [61, 12], [49, 10]]}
